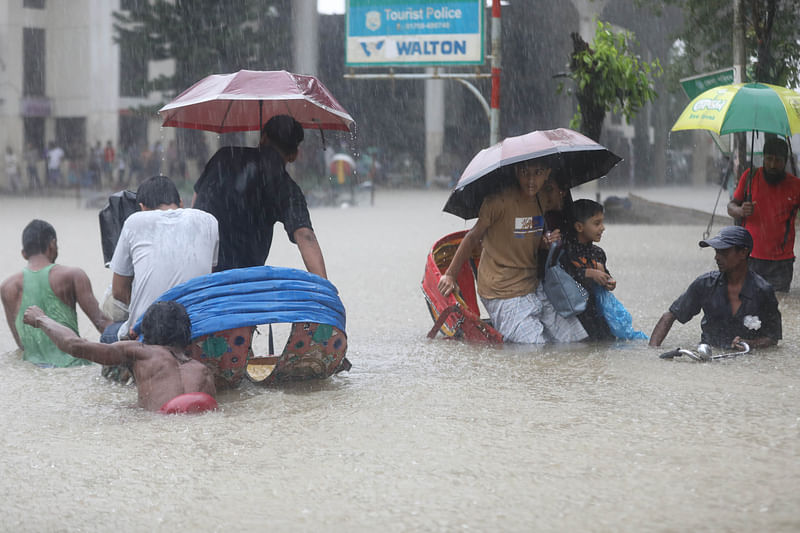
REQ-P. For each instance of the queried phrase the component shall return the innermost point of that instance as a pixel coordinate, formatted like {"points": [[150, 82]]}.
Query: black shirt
{"points": [[248, 190], [576, 259], [709, 292]]}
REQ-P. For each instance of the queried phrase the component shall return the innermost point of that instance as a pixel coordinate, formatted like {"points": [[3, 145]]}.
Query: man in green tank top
{"points": [[54, 288]]}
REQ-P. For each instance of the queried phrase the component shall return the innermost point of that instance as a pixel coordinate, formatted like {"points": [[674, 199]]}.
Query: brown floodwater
{"points": [[421, 435]]}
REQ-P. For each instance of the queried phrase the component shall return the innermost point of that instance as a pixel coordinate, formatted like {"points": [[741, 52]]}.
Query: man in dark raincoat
{"points": [[248, 190]]}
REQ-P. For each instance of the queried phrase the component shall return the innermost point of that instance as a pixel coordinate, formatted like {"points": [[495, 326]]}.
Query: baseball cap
{"points": [[728, 237]]}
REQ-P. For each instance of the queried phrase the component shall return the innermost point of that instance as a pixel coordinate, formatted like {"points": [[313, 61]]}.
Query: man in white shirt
{"points": [[54, 156], [159, 247]]}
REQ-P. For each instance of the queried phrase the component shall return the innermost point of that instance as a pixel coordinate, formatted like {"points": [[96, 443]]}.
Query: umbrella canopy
{"points": [[575, 159], [245, 100], [743, 107]]}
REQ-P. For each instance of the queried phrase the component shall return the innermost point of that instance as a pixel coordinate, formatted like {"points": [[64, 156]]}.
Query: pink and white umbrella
{"points": [[575, 159], [245, 100]]}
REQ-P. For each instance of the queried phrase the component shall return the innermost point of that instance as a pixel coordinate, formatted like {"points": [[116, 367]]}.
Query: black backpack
{"points": [[119, 207]]}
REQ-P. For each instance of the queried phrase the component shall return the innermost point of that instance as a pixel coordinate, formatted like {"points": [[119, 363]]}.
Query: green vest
{"points": [[39, 349]]}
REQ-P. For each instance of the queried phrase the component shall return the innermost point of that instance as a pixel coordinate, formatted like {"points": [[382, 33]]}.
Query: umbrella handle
{"points": [[322, 135], [748, 193]]}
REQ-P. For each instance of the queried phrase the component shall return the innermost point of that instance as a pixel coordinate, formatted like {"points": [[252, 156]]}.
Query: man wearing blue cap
{"points": [[737, 304]]}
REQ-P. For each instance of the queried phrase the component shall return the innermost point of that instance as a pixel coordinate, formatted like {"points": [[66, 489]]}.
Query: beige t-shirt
{"points": [[508, 262]]}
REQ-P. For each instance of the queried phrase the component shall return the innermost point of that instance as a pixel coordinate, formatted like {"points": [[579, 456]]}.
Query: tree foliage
{"points": [[206, 36], [201, 37], [772, 38], [609, 76]]}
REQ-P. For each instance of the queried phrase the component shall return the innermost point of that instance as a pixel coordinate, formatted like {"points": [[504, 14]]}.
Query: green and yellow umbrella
{"points": [[743, 107]]}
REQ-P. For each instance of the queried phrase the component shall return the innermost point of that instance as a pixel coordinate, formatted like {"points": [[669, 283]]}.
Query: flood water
{"points": [[421, 435]]}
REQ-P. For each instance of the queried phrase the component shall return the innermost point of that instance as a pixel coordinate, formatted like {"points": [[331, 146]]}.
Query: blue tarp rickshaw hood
{"points": [[254, 296]]}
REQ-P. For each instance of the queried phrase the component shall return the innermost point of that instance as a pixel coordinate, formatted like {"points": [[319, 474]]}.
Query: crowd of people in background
{"points": [[100, 166], [104, 167]]}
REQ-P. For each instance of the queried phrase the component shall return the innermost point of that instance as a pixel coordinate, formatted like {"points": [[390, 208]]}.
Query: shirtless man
{"points": [[168, 380], [56, 288]]}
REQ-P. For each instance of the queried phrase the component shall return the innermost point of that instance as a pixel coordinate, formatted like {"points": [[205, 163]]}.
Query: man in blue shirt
{"points": [[737, 304]]}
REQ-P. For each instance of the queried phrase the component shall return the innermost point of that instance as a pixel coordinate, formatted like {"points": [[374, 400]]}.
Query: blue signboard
{"points": [[411, 33]]}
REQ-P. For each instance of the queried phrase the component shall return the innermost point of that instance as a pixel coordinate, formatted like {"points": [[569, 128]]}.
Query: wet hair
{"points": [[167, 324], [284, 132], [776, 146], [37, 236], [584, 209], [156, 191]]}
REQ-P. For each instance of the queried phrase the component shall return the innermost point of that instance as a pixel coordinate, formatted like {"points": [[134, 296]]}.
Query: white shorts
{"points": [[531, 319]]}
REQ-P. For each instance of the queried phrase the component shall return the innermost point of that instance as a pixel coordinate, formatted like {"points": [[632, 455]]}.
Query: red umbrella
{"points": [[245, 100], [575, 159]]}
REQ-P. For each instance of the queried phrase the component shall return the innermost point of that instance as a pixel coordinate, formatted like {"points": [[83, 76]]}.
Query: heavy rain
{"points": [[423, 432]]}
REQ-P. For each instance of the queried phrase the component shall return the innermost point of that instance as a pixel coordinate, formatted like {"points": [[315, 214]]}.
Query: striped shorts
{"points": [[531, 319]]}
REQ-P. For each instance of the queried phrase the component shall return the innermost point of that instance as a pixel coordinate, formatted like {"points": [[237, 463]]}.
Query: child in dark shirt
{"points": [[587, 263]]}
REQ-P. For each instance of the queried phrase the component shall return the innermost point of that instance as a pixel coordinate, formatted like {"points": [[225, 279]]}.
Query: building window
{"points": [[33, 4], [33, 62], [33, 132], [71, 136]]}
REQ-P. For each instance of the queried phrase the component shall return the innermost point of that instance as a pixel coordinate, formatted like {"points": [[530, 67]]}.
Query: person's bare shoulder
{"points": [[68, 272], [14, 279], [143, 351], [64, 280], [136, 350], [70, 278], [11, 287]]}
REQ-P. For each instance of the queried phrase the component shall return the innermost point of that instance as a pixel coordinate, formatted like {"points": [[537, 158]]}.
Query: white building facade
{"points": [[63, 79]]}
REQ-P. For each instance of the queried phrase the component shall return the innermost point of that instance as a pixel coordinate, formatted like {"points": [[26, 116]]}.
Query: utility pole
{"points": [[739, 139], [305, 21], [494, 119], [589, 12], [434, 124]]}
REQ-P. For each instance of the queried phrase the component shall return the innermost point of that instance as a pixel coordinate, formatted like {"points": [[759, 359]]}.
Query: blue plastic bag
{"points": [[618, 318]]}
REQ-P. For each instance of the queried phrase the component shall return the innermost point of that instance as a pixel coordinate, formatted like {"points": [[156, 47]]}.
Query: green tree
{"points": [[206, 36], [202, 37], [608, 76], [772, 38]]}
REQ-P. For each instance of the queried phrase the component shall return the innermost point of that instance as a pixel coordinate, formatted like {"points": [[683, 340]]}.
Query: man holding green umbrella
{"points": [[766, 199], [767, 203]]}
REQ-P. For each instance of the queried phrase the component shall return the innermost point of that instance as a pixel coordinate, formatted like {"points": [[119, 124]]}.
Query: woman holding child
{"points": [[511, 231]]}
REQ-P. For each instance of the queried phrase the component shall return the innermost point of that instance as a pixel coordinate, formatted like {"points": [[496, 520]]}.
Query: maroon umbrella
{"points": [[575, 159], [245, 100]]}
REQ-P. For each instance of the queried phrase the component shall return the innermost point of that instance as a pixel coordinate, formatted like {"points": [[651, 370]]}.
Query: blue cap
{"points": [[728, 237]]}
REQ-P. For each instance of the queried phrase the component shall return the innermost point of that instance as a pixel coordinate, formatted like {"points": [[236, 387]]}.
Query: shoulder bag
{"points": [[567, 295]]}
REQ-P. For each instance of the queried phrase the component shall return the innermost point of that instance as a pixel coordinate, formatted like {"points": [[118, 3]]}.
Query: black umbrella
{"points": [[574, 158]]}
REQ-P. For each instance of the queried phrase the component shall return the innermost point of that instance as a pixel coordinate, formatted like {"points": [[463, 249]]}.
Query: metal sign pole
{"points": [[494, 122]]}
